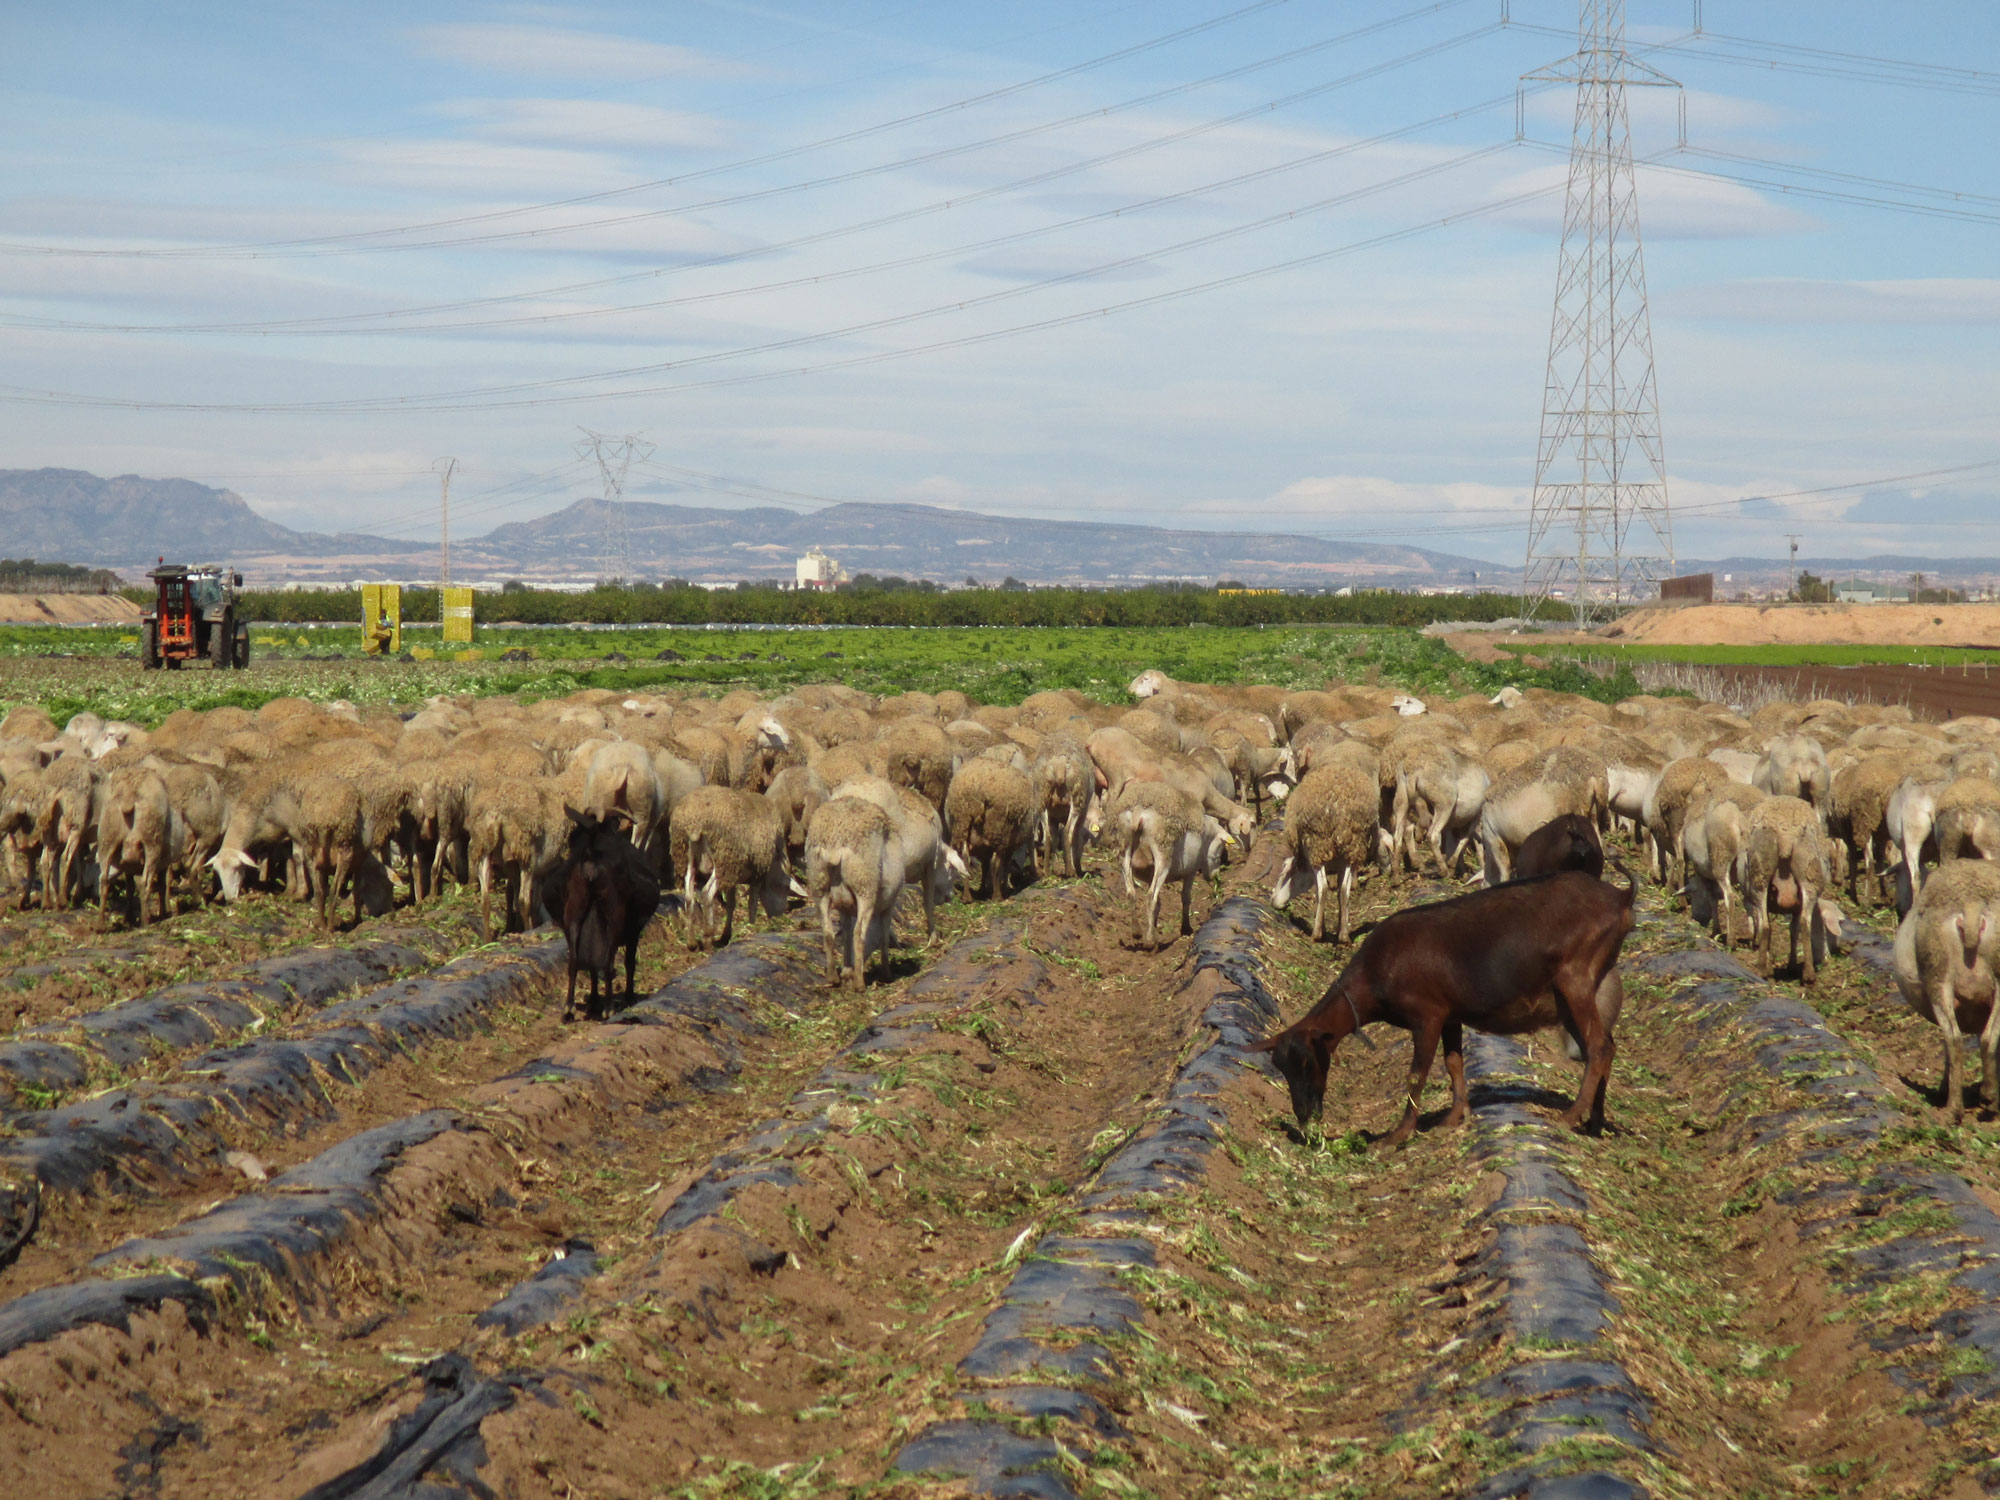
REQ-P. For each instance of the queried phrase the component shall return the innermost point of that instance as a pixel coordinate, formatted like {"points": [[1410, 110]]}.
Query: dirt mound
{"points": [[1813, 625], [67, 609]]}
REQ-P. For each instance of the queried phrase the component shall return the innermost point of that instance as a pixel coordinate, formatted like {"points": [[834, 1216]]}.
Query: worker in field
{"points": [[381, 636]]}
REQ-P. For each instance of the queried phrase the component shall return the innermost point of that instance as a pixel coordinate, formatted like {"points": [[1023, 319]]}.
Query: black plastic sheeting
{"points": [[59, 1054], [1551, 1291], [546, 1295], [127, 1140], [435, 1451], [54, 1310], [1069, 1284], [1849, 1106]]}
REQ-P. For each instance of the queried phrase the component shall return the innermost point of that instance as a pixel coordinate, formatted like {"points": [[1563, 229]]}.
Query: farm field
{"points": [[69, 671], [1018, 1214]]}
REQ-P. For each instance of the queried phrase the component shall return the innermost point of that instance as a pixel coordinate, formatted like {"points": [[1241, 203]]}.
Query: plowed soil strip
{"points": [[40, 1063], [822, 1318], [337, 1229]]}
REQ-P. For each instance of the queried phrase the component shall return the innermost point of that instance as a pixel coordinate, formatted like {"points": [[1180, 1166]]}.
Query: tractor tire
{"points": [[242, 658], [221, 644], [149, 646]]}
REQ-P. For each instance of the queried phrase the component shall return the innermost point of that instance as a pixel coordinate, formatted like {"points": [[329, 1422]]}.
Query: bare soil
{"points": [[1812, 624], [68, 609]]}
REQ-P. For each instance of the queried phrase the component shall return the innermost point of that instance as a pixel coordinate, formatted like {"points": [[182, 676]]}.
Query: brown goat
{"points": [[1516, 958]]}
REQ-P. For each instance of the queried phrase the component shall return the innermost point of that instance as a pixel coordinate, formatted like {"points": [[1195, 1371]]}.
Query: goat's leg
{"points": [[569, 1000], [1423, 1049], [1454, 1067]]}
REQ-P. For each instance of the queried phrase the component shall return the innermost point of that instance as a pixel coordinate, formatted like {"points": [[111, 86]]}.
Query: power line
{"points": [[361, 240], [320, 326]]}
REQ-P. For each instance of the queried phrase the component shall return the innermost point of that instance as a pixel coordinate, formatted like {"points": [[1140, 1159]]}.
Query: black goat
{"points": [[609, 894]]}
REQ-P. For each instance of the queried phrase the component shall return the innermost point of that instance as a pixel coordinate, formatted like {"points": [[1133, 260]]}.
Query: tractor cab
{"points": [[193, 618]]}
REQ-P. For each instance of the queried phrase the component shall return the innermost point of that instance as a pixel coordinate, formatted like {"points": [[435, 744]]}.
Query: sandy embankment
{"points": [[67, 609], [1812, 625]]}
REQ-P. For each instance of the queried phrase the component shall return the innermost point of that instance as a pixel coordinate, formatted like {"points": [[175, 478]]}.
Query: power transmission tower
{"points": [[444, 468], [614, 457], [1793, 588], [1599, 527]]}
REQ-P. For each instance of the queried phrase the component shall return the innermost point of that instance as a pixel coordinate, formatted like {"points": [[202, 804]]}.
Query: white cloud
{"points": [[557, 52], [593, 122], [1945, 300]]}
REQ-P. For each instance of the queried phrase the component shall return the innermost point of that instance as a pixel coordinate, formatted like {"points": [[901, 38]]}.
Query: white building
{"points": [[818, 571]]}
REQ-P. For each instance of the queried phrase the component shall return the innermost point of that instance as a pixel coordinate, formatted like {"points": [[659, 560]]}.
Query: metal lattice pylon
{"points": [[614, 458], [1599, 530]]}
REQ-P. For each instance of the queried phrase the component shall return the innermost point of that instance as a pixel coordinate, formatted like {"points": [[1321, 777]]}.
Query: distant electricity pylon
{"points": [[614, 458], [1599, 527], [444, 468]]}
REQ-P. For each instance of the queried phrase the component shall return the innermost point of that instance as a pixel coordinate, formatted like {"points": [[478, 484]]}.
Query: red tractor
{"points": [[193, 619]]}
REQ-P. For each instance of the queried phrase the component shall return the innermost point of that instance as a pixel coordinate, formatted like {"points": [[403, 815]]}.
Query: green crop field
{"points": [[66, 671], [1763, 656]]}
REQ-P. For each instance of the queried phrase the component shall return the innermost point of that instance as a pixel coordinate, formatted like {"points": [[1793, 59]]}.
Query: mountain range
{"points": [[128, 522]]}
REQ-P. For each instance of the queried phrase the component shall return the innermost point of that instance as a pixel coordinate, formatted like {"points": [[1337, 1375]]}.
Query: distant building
{"points": [[818, 571], [1869, 593]]}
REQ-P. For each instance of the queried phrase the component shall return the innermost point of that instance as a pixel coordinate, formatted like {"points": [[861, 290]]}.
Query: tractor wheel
{"points": [[221, 643], [242, 647], [149, 646]]}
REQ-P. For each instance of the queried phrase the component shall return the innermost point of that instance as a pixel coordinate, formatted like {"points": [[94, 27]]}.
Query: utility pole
{"points": [[444, 468], [1600, 464], [1792, 591], [614, 458]]}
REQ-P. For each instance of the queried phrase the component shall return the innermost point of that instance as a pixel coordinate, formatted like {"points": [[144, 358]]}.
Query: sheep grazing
{"points": [[1163, 834], [1063, 771], [327, 838], [1713, 841], [1528, 797], [513, 838], [1785, 864], [1330, 827], [990, 812], [854, 872], [797, 792], [1794, 765], [609, 895], [623, 779], [929, 863], [1425, 778], [1947, 955], [1968, 819], [1666, 810], [722, 838], [140, 835]]}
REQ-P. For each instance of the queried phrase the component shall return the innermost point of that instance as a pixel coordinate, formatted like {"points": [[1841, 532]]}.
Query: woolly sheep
{"points": [[854, 870], [1947, 955], [1162, 833], [990, 813], [722, 838], [1330, 827]]}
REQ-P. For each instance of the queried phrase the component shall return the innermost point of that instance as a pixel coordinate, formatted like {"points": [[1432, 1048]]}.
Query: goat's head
{"points": [[1302, 1059]]}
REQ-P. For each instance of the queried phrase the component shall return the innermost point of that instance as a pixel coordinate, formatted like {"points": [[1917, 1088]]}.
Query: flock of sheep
{"points": [[847, 801]]}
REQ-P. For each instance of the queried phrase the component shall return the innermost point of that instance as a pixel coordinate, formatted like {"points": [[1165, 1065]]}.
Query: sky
{"points": [[1274, 265]]}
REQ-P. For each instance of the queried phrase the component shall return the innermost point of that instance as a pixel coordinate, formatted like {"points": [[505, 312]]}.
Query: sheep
{"points": [[1859, 807], [138, 834], [1523, 800], [990, 812], [854, 871], [1968, 819], [1064, 773], [1947, 954], [1794, 765], [1784, 859], [722, 838], [1910, 820], [1665, 814], [1713, 843], [514, 837], [929, 863], [917, 754], [1164, 833], [1426, 782], [609, 895], [797, 792], [622, 778], [1120, 756], [1330, 826]]}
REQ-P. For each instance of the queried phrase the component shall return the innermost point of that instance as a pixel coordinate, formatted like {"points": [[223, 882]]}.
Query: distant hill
{"points": [[925, 541], [128, 522]]}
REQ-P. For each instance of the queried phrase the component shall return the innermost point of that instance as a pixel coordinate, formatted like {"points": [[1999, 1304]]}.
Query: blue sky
{"points": [[207, 250]]}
